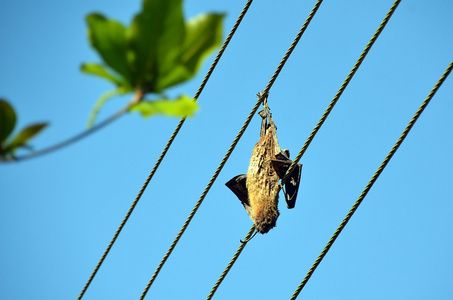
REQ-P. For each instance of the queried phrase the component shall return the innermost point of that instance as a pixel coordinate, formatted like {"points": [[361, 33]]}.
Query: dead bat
{"points": [[258, 190]]}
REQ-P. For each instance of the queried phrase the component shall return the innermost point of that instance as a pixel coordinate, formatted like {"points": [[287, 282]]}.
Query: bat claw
{"points": [[266, 111]]}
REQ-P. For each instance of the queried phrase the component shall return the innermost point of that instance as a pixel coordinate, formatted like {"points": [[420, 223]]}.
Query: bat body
{"points": [[262, 183], [258, 190]]}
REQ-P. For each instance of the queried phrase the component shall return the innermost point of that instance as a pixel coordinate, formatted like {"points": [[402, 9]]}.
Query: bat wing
{"points": [[238, 187], [292, 184]]}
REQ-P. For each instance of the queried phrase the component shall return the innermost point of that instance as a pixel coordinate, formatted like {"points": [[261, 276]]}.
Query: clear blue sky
{"points": [[58, 212]]}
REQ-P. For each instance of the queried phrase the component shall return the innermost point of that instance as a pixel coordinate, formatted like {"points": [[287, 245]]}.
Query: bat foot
{"points": [[261, 94], [266, 111]]}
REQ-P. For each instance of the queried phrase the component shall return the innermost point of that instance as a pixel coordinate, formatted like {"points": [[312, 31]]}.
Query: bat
{"points": [[258, 190]]}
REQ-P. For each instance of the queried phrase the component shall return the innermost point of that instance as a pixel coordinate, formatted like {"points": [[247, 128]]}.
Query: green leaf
{"points": [[155, 38], [104, 72], [108, 37], [203, 35], [101, 101], [7, 120], [26, 134], [181, 107]]}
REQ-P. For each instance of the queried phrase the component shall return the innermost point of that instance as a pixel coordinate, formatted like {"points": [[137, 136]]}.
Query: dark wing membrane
{"points": [[238, 187], [292, 184], [281, 166]]}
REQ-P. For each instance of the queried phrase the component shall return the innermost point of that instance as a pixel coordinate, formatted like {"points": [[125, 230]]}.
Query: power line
{"points": [[372, 180], [203, 195], [167, 146], [317, 127], [341, 90], [231, 263], [292, 46], [261, 97]]}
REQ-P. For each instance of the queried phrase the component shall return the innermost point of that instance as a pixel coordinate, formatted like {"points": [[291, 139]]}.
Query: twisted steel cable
{"points": [[292, 46], [372, 181], [266, 90], [317, 127], [203, 195], [261, 97], [167, 146], [341, 90], [231, 263]]}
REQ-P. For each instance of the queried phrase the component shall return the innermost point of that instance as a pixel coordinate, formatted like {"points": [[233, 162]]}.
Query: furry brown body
{"points": [[262, 183]]}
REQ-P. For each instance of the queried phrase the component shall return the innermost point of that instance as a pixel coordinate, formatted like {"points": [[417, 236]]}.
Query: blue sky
{"points": [[58, 212]]}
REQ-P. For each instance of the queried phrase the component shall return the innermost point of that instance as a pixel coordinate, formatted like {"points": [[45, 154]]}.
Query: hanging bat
{"points": [[258, 190]]}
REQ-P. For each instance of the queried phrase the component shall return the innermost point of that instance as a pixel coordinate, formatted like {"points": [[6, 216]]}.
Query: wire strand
{"points": [[231, 263], [266, 90], [203, 195], [319, 124], [262, 96], [167, 146], [292, 46], [341, 90], [372, 180]]}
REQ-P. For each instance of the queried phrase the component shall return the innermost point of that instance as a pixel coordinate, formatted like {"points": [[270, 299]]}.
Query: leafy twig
{"points": [[137, 98]]}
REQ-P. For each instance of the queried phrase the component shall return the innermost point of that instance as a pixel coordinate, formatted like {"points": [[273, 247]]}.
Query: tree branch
{"points": [[137, 98]]}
